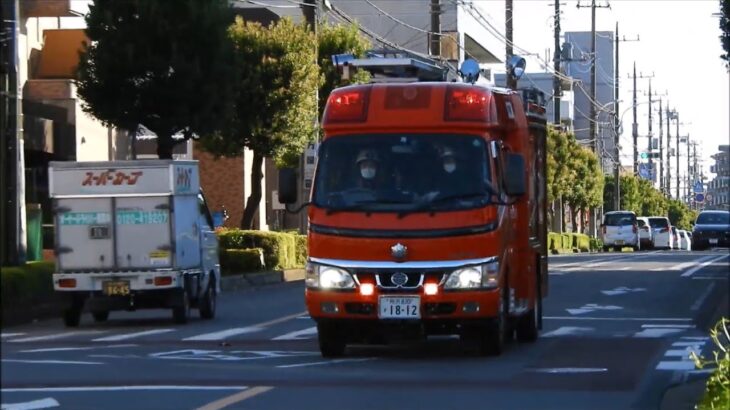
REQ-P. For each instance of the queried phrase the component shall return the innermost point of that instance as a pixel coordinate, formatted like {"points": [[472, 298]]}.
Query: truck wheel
{"points": [[181, 313], [491, 338], [331, 341], [100, 315], [528, 326], [208, 301], [72, 314]]}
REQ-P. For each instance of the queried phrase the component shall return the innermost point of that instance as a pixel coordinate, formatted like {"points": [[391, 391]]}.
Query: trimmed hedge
{"points": [[576, 242], [26, 285], [234, 261], [281, 250]]}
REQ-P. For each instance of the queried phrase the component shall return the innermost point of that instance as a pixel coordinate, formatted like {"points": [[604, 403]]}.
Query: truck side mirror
{"points": [[515, 172], [288, 186]]}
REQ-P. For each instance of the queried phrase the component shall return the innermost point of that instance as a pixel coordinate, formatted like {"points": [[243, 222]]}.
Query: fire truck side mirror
{"points": [[288, 186], [515, 172]]}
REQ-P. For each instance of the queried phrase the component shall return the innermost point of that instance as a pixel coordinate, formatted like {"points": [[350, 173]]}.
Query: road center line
{"points": [[126, 336], [289, 366], [697, 268], [115, 388], [236, 398], [643, 319]]}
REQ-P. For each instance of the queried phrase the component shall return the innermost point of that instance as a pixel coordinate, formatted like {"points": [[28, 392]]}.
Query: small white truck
{"points": [[131, 235]]}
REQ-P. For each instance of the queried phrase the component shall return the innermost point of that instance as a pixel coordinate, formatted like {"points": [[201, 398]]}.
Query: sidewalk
{"points": [[249, 280]]}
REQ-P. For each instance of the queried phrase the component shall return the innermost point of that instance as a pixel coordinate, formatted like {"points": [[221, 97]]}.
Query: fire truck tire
{"points": [[100, 315], [331, 341], [491, 338], [528, 325]]}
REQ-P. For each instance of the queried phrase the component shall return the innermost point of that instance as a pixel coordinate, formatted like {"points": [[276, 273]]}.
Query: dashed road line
{"points": [[48, 361], [235, 398], [700, 300], [56, 336], [289, 366], [702, 265]]}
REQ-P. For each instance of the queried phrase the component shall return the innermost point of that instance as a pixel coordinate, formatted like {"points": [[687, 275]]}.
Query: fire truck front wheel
{"points": [[331, 340]]}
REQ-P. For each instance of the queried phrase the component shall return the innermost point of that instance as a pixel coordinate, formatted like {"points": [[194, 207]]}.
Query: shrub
{"points": [[596, 244], [301, 250], [566, 241], [717, 393], [281, 250], [581, 242], [234, 261], [27, 284]]}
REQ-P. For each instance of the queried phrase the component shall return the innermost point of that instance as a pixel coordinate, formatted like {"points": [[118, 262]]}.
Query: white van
{"points": [[662, 232], [619, 229], [131, 235], [645, 233]]}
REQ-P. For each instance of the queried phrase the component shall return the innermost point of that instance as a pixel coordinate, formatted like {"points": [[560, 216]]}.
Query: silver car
{"points": [[619, 230], [661, 231], [646, 234]]}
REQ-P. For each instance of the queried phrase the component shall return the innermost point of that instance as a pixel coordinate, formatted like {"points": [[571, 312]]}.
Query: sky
{"points": [[679, 44]]}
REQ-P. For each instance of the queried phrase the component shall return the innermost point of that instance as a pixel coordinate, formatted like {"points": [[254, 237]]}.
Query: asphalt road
{"points": [[618, 330]]}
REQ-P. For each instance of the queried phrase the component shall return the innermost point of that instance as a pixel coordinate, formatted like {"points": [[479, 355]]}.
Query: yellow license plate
{"points": [[116, 288]]}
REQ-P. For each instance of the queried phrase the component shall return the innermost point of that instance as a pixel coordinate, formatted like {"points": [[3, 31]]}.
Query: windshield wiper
{"points": [[358, 206], [442, 199]]}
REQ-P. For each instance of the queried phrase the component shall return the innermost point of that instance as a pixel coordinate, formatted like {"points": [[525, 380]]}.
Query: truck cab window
{"points": [[203, 205]]}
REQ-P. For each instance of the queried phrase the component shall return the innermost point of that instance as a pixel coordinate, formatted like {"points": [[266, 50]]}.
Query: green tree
{"points": [[725, 29], [680, 215], [630, 198], [276, 104], [558, 170], [165, 64], [333, 40]]}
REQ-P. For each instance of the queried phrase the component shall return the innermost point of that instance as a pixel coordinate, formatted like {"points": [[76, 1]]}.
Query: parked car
{"points": [[661, 232], [619, 230], [712, 228], [645, 233], [685, 241], [675, 238]]}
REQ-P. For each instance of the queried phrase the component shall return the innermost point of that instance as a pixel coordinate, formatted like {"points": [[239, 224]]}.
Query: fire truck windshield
{"points": [[403, 173]]}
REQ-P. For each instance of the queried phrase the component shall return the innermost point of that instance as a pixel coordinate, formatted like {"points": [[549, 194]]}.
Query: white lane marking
{"points": [[304, 317], [235, 398], [622, 290], [556, 273], [31, 405], [657, 332], [592, 307], [676, 365], [48, 361], [228, 355], [698, 303], [670, 326], [688, 344], [70, 349], [223, 334], [681, 353], [708, 278], [642, 319], [568, 331], [117, 338], [299, 334], [6, 335], [571, 370], [660, 269], [624, 268], [702, 265], [56, 336], [289, 366], [115, 388]]}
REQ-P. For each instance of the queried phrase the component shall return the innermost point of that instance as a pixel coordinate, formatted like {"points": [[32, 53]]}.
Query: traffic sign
{"points": [[644, 155], [698, 187], [700, 197]]}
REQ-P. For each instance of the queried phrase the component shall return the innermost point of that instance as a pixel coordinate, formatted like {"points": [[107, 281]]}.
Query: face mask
{"points": [[449, 166], [367, 172]]}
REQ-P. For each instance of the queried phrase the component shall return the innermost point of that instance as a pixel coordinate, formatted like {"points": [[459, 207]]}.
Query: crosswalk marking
{"points": [[116, 338], [569, 331], [299, 334], [223, 334], [56, 336]]}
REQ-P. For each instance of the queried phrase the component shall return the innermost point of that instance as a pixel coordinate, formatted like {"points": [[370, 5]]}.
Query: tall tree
{"points": [[167, 65], [276, 99], [333, 40], [725, 29]]}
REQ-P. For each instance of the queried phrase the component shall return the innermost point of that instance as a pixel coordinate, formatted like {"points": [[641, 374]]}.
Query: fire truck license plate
{"points": [[116, 288], [399, 307]]}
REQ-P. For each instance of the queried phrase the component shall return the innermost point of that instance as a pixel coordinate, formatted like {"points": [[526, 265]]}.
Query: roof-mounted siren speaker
{"points": [[516, 67], [469, 71]]}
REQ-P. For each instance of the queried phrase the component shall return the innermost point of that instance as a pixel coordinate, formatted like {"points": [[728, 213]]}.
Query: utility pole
{"points": [[557, 89], [635, 125], [651, 137], [435, 28], [690, 171], [661, 149], [592, 120], [310, 11], [676, 118], [511, 82], [669, 151], [616, 151]]}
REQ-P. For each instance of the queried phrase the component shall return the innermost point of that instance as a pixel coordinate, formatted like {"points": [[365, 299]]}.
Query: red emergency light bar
{"points": [[469, 104], [347, 105]]}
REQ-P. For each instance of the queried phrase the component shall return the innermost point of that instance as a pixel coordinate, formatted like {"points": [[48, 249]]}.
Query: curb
{"points": [[257, 279]]}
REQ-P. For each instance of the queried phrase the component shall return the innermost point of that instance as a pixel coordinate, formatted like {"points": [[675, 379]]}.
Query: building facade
{"points": [[718, 189]]}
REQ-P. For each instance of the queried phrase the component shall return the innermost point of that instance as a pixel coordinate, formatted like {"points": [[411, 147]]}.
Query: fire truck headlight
{"points": [[335, 278], [474, 277]]}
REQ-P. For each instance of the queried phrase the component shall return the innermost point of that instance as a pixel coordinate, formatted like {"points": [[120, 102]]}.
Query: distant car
{"points": [[620, 230], [645, 233], [661, 232], [712, 228], [685, 240], [675, 238]]}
